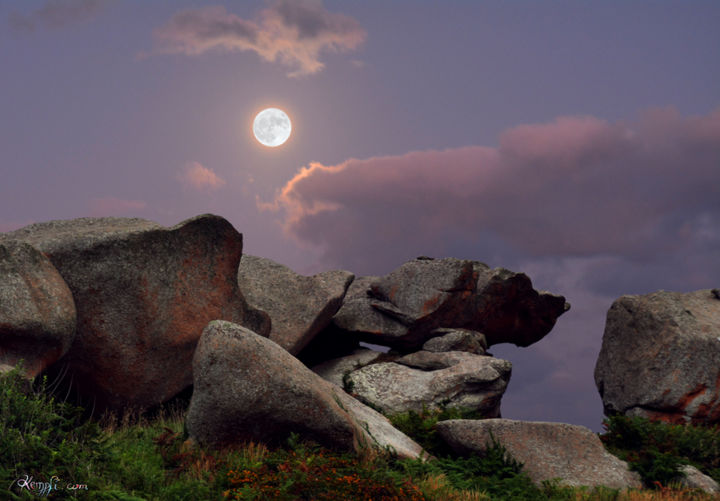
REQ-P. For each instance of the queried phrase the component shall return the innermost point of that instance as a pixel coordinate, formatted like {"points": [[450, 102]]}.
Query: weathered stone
{"points": [[456, 340], [403, 308], [336, 369], [453, 379], [660, 357], [247, 387], [143, 295], [506, 308], [571, 453], [299, 307], [37, 311], [695, 479]]}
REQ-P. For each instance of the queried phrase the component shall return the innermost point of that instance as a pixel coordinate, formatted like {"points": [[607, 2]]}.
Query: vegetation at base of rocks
{"points": [[657, 450], [420, 426], [134, 457]]}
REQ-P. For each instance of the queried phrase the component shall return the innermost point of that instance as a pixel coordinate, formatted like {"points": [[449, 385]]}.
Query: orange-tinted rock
{"points": [[660, 357], [403, 308], [143, 294], [37, 311]]}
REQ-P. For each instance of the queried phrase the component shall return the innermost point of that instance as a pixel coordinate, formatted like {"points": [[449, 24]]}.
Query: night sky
{"points": [[578, 142]]}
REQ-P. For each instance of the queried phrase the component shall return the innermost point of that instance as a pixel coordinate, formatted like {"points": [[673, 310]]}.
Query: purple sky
{"points": [[578, 142]]}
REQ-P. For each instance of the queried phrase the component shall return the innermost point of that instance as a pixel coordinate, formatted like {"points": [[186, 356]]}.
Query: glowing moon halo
{"points": [[272, 127]]}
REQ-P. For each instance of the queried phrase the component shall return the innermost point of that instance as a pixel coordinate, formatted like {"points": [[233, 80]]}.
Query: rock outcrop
{"points": [[402, 309], [247, 387], [456, 340], [299, 307], [573, 454], [37, 311], [337, 369], [695, 479], [143, 295], [426, 379], [660, 357]]}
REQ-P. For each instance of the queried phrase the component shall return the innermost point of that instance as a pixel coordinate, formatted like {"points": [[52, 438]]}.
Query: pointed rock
{"points": [[299, 307], [247, 387]]}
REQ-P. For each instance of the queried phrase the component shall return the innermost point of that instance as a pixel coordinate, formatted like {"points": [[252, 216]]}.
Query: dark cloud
{"points": [[293, 33], [56, 14]]}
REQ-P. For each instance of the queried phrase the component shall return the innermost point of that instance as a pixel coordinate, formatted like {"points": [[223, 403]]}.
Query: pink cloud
{"points": [[112, 206], [57, 14], [576, 186], [292, 33], [197, 176]]}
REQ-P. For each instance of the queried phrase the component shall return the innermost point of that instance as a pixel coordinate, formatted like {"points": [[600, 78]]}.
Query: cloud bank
{"points": [[578, 186], [197, 176], [56, 14], [587, 208], [292, 33]]}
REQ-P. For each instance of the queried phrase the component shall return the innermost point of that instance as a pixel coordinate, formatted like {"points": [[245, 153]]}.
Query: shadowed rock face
{"points": [[299, 307], [403, 309], [247, 387], [37, 311], [143, 294], [660, 357], [572, 453]]}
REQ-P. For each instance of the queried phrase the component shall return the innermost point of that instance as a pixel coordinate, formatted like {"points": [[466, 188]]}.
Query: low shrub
{"points": [[657, 450]]}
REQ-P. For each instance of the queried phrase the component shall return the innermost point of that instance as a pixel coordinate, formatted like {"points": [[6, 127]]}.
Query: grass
{"points": [[51, 446]]}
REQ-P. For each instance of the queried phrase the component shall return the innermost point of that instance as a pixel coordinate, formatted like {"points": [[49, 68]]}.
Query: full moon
{"points": [[272, 127]]}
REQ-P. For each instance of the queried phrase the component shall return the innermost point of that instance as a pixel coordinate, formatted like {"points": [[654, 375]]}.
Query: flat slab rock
{"points": [[425, 379], [247, 387], [660, 357], [299, 307], [571, 453], [37, 310], [402, 309], [143, 295]]}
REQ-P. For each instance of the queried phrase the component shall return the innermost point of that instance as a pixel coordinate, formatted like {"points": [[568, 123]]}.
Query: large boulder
{"points": [[403, 308], [143, 295], [37, 311], [424, 379], [660, 357], [247, 387], [571, 453], [299, 307]]}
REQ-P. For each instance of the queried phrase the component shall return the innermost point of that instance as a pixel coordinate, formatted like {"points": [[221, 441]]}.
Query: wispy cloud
{"points": [[578, 186], [292, 33], [56, 14], [197, 176], [113, 206]]}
